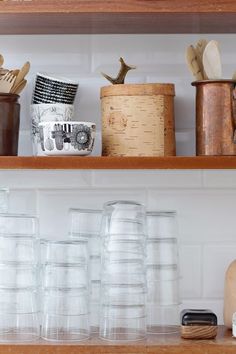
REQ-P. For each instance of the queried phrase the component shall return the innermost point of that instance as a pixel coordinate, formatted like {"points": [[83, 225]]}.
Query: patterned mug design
{"points": [[66, 136]]}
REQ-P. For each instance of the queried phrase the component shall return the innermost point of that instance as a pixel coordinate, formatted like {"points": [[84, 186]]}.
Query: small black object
{"points": [[191, 317]]}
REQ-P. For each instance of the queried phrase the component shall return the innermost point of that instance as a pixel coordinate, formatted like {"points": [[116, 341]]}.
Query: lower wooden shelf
{"points": [[127, 163], [154, 344]]}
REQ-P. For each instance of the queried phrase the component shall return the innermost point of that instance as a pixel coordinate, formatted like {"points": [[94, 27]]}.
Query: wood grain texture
{"points": [[133, 16], [199, 332], [161, 344], [107, 162]]}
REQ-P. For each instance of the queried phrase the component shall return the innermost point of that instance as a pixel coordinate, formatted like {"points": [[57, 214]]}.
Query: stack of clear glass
{"points": [[19, 278], [85, 224], [65, 291], [162, 273], [123, 275]]}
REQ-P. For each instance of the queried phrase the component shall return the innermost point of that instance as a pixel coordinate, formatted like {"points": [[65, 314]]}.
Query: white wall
{"points": [[204, 200]]}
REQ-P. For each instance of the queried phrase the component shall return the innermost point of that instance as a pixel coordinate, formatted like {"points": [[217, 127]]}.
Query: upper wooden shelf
{"points": [[126, 163], [155, 344], [110, 16]]}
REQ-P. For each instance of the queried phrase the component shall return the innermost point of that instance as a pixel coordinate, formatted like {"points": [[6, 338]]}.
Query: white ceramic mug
{"points": [[45, 113]]}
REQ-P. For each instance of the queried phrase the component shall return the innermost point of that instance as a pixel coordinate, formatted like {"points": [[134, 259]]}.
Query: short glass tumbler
{"points": [[161, 224]]}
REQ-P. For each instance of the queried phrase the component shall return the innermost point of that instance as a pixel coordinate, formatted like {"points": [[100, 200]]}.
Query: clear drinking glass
{"points": [[65, 276], [85, 222], [123, 275], [19, 315], [19, 249], [163, 298], [18, 276], [68, 252], [162, 251], [65, 315], [161, 224], [18, 225], [65, 290], [162, 319], [123, 217]]}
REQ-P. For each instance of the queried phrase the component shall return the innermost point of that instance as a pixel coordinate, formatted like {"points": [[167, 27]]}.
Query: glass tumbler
{"points": [[121, 217], [123, 272], [86, 224], [19, 315], [161, 224], [65, 290], [18, 224]]}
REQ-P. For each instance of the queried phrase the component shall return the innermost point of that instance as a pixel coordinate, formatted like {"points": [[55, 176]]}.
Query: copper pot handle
{"points": [[234, 112]]}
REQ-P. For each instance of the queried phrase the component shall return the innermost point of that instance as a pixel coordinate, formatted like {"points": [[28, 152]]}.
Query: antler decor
{"points": [[120, 79]]}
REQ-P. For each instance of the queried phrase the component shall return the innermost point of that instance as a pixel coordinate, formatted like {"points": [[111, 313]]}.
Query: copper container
{"points": [[215, 117], [9, 124]]}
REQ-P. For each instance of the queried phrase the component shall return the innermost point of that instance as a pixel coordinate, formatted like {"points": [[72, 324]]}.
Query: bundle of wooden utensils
{"points": [[13, 81], [204, 60]]}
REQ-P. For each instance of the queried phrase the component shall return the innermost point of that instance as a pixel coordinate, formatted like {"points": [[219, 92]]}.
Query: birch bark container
{"points": [[138, 120]]}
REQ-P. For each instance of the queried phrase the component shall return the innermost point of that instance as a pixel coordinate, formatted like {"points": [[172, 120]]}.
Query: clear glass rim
{"points": [[173, 267], [18, 216], [170, 213], [85, 211], [173, 240], [69, 241], [32, 237], [122, 202]]}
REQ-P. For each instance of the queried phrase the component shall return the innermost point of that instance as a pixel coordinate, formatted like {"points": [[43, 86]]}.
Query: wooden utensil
{"points": [[6, 82], [192, 62], [1, 60], [212, 61], [200, 47], [22, 73], [19, 87]]}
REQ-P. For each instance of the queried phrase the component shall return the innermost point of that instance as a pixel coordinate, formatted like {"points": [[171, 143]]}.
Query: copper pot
{"points": [[215, 117]]}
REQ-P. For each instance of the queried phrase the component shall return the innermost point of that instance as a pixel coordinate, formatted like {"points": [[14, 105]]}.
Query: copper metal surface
{"points": [[215, 117]]}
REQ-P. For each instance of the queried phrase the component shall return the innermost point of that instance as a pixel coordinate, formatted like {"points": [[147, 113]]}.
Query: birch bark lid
{"points": [[150, 89]]}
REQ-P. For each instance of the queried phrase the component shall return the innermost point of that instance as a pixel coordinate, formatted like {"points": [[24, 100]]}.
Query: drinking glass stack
{"points": [[162, 273], [123, 275], [85, 224], [65, 304], [19, 272]]}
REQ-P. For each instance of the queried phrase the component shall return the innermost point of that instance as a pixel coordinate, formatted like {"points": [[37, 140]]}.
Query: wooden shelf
{"points": [[119, 163], [110, 16], [155, 344]]}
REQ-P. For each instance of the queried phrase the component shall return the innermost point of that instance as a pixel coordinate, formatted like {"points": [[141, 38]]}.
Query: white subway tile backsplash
{"points": [[216, 259], [219, 178], [190, 272], [45, 178], [148, 178]]}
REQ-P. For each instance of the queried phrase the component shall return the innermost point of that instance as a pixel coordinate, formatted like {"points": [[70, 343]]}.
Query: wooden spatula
{"points": [[192, 62], [1, 60], [22, 73], [212, 61], [199, 48]]}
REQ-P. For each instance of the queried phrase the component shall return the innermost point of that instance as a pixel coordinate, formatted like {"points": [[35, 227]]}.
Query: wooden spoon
{"points": [[200, 47], [192, 62], [19, 87], [212, 61], [1, 60], [22, 73]]}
